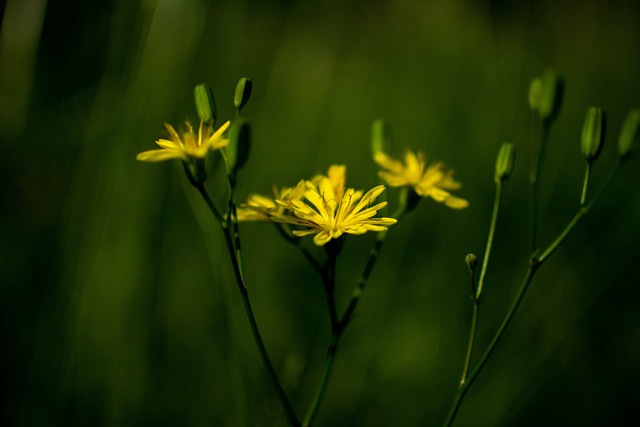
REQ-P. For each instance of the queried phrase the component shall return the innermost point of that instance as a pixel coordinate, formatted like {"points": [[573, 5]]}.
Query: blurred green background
{"points": [[118, 310]]}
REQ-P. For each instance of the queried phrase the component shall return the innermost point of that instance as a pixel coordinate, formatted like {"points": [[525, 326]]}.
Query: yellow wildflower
{"points": [[328, 210], [189, 146], [262, 208], [432, 182]]}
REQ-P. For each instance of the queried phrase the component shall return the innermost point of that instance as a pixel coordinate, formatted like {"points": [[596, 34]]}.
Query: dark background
{"points": [[118, 310]]}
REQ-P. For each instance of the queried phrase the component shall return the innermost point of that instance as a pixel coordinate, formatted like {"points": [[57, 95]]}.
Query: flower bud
{"points": [[630, 133], [243, 93], [472, 261], [545, 95], [205, 103], [380, 137], [535, 90], [505, 161], [239, 146], [593, 133]]}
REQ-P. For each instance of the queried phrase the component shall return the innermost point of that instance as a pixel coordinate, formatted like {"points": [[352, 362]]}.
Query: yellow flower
{"points": [[190, 146], [328, 210], [432, 182], [262, 208]]}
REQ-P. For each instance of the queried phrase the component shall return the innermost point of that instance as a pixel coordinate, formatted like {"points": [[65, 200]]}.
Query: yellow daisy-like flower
{"points": [[328, 210], [432, 182], [189, 146], [262, 208]]}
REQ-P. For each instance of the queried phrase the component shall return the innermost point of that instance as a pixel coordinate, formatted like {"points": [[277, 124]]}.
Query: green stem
{"points": [[470, 344], [237, 269], [492, 230], [364, 278], [475, 297], [585, 184], [536, 171], [584, 209], [534, 265], [464, 387], [295, 241], [327, 368]]}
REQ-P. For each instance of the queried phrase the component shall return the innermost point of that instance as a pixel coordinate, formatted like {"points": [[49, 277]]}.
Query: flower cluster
{"points": [[324, 207]]}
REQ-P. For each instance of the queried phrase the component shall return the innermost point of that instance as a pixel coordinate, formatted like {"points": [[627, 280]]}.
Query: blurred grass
{"points": [[111, 312]]}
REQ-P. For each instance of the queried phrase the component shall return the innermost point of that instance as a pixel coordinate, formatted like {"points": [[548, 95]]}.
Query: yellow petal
{"points": [[159, 155]]}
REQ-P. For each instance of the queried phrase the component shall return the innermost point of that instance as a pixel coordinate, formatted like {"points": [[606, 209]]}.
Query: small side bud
{"points": [[593, 132], [205, 103], [535, 91], [380, 137], [472, 261], [505, 161], [547, 95], [630, 133], [239, 146], [243, 93]]}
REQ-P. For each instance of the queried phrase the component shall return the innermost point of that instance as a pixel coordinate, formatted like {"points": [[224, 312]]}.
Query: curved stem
{"points": [[536, 171], [584, 209], [464, 387], [534, 265], [492, 230], [364, 278], [470, 344], [327, 368], [234, 254]]}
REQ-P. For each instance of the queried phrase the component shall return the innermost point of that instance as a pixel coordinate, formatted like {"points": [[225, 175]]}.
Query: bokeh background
{"points": [[118, 302]]}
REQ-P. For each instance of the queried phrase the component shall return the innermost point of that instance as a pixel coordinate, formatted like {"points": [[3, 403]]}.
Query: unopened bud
{"points": [[205, 103], [535, 90], [239, 146], [472, 261], [630, 133], [243, 93], [545, 95], [505, 161], [593, 132], [380, 137]]}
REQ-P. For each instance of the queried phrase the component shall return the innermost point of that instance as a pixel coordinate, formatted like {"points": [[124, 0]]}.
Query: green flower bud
{"points": [[630, 133], [545, 95], [472, 261], [593, 131], [243, 93], [535, 90], [380, 137], [505, 161], [205, 103], [239, 146]]}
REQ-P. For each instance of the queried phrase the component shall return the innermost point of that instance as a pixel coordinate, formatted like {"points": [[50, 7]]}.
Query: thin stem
{"points": [[366, 273], [472, 339], [534, 265], [237, 269], [536, 171], [584, 209], [492, 230], [585, 184], [475, 297], [295, 241], [464, 387], [327, 368], [330, 283]]}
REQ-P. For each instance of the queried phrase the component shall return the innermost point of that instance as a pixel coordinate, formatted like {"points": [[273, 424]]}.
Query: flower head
{"points": [[263, 208], [328, 210], [432, 182], [188, 146]]}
